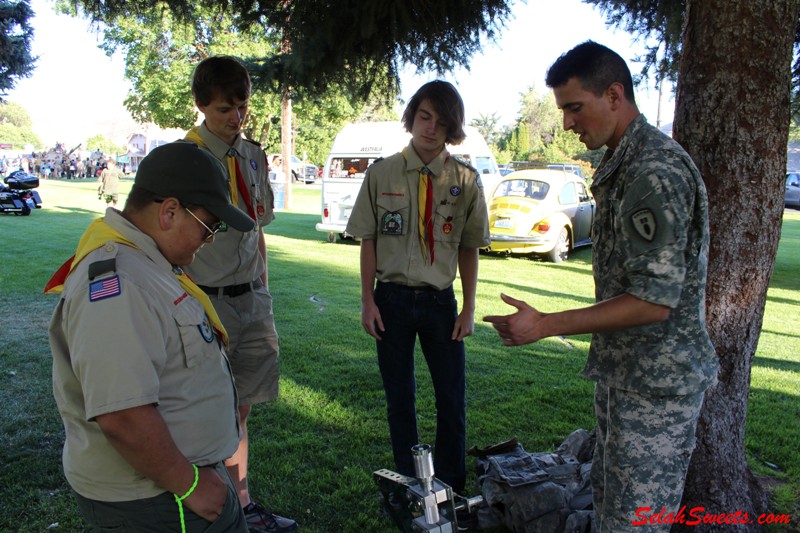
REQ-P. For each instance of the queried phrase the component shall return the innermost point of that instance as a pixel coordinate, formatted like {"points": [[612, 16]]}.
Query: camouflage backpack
{"points": [[537, 492]]}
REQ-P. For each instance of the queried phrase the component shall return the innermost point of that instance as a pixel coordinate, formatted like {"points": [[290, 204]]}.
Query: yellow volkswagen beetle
{"points": [[540, 211]]}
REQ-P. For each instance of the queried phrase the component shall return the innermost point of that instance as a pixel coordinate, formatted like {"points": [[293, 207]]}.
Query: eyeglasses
{"points": [[212, 230]]}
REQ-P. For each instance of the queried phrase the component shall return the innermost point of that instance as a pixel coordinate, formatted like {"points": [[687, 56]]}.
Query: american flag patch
{"points": [[104, 288]]}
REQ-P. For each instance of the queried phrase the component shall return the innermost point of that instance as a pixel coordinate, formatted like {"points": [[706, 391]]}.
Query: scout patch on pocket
{"points": [[206, 330], [392, 223]]}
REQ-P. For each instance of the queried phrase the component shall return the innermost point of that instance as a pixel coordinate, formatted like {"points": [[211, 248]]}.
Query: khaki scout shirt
{"points": [[109, 180], [391, 187], [650, 239], [234, 257], [149, 344]]}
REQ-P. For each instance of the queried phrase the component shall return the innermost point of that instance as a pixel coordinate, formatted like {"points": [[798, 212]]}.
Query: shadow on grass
{"points": [[777, 364], [32, 486]]}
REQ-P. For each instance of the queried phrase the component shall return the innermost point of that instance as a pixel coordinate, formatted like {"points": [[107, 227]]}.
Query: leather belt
{"points": [[233, 291]]}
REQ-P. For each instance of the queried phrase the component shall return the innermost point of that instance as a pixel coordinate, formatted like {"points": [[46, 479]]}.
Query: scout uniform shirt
{"points": [[234, 257], [650, 239], [387, 210], [130, 337], [109, 181]]}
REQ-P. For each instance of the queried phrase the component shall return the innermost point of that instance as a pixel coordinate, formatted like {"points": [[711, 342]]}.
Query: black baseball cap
{"points": [[189, 173]]}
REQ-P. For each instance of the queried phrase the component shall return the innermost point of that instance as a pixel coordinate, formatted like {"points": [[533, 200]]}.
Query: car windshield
{"points": [[536, 190]]}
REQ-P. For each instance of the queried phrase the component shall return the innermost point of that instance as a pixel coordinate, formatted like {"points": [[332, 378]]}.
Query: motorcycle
{"points": [[18, 195]]}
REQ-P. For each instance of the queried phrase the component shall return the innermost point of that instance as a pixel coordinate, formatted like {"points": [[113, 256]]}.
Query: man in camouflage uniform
{"points": [[650, 354]]}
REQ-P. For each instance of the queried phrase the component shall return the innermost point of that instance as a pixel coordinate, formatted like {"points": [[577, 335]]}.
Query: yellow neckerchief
{"points": [[98, 234], [194, 136], [425, 211]]}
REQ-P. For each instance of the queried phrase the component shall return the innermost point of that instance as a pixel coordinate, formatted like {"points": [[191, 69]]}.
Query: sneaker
{"points": [[259, 519]]}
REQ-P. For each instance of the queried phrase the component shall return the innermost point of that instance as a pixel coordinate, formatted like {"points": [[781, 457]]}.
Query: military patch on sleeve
{"points": [[104, 288], [644, 222]]}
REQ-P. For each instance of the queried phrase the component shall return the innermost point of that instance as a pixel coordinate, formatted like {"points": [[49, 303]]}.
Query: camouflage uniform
{"points": [[650, 240]]}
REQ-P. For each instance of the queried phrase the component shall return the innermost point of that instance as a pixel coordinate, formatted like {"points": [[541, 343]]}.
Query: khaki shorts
{"points": [[253, 344]]}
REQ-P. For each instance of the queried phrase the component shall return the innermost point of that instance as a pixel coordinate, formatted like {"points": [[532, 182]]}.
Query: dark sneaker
{"points": [[259, 519]]}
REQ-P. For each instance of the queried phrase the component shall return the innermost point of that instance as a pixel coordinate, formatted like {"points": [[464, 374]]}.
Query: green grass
{"points": [[313, 451]]}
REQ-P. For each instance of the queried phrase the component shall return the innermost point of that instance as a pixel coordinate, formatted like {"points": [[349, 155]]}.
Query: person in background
{"points": [[234, 271], [650, 354], [140, 374], [109, 183], [421, 216]]}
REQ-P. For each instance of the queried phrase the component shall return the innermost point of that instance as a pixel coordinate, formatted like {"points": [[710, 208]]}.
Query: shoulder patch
{"points": [[459, 160], [101, 267], [644, 222], [104, 288]]}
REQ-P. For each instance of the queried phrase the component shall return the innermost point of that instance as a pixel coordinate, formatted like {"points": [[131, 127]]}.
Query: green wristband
{"points": [[191, 489], [179, 499]]}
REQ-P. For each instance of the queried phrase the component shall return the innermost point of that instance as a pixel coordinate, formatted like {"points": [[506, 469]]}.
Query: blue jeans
{"points": [[431, 314]]}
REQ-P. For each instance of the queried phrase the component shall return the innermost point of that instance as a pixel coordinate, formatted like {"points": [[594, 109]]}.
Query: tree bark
{"points": [[286, 145], [732, 115]]}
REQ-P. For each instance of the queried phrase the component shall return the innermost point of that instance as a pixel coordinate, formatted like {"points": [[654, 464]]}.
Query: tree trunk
{"points": [[286, 145], [732, 116]]}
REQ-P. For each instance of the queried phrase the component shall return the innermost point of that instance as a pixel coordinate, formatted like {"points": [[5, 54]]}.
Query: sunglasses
{"points": [[212, 230]]}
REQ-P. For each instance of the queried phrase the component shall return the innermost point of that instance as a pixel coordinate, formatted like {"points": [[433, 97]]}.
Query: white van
{"points": [[357, 146]]}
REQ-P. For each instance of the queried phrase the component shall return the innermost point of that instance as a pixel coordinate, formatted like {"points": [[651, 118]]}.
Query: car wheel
{"points": [[331, 236], [560, 251]]}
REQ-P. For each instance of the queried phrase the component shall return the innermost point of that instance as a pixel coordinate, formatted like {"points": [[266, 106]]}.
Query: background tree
{"points": [[487, 125], [16, 36], [16, 127], [103, 144], [356, 45], [542, 118], [732, 115], [519, 142], [538, 134], [161, 50]]}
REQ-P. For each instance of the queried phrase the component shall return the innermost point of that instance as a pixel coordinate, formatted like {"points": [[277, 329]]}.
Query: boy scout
{"points": [[234, 271], [421, 215], [140, 374], [650, 354], [109, 183]]}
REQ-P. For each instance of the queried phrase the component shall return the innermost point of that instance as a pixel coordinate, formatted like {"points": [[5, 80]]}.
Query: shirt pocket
{"points": [[448, 223], [394, 215], [197, 334]]}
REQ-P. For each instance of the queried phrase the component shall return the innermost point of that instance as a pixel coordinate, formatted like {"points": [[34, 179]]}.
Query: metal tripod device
{"points": [[424, 503]]}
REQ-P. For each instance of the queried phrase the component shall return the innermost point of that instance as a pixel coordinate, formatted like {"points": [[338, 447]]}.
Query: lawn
{"points": [[313, 451]]}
